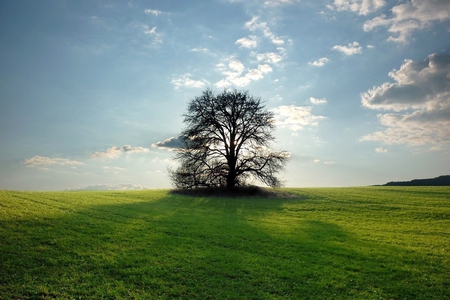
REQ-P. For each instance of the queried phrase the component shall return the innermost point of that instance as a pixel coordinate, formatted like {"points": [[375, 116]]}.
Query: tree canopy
{"points": [[226, 142]]}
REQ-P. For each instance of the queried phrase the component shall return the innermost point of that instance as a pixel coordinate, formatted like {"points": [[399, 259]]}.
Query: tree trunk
{"points": [[231, 177]]}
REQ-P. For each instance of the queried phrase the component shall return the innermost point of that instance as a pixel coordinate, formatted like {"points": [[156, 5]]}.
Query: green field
{"points": [[327, 243]]}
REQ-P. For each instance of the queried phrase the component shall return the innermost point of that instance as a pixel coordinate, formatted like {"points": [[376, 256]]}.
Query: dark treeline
{"points": [[438, 181]]}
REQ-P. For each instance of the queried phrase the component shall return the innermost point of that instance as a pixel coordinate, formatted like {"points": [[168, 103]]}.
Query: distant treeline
{"points": [[438, 181]]}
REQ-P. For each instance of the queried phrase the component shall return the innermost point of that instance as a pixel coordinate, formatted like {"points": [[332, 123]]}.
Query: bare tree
{"points": [[226, 142]]}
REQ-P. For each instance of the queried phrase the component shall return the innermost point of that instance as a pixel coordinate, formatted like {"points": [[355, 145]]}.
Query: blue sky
{"points": [[90, 90]]}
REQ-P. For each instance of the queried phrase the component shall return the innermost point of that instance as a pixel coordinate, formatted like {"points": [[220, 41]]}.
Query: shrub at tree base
{"points": [[235, 192]]}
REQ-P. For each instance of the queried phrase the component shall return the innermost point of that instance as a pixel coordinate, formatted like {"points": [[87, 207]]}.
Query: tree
{"points": [[226, 142]]}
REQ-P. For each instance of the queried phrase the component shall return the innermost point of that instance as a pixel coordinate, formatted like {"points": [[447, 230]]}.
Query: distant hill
{"points": [[438, 181]]}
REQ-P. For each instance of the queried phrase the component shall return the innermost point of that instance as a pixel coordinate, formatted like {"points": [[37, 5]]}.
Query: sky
{"points": [[93, 92]]}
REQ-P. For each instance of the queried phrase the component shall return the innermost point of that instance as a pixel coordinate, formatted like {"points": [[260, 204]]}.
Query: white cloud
{"points": [[317, 101], [258, 73], [350, 49], [43, 162], [410, 16], [114, 152], [330, 162], [157, 37], [204, 50], [186, 81], [420, 96], [235, 77], [320, 62], [269, 57], [236, 66], [361, 7], [247, 42], [254, 24], [154, 12], [381, 150], [236, 73], [295, 117], [271, 3]]}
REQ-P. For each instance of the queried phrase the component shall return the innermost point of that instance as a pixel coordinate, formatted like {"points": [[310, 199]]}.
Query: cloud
{"points": [[129, 149], [250, 42], [419, 101], [43, 162], [361, 7], [186, 81], [236, 66], [157, 37], [410, 16], [109, 187], [114, 152], [320, 62], [269, 3], [381, 150], [350, 49], [255, 25], [269, 57], [295, 117], [204, 50], [258, 73], [272, 3], [317, 101], [316, 161], [236, 74], [169, 144], [235, 77], [153, 12]]}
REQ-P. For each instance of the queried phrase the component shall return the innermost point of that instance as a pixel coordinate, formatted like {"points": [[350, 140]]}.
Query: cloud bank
{"points": [[418, 101], [410, 16], [361, 7], [115, 152], [295, 117], [43, 162], [169, 144]]}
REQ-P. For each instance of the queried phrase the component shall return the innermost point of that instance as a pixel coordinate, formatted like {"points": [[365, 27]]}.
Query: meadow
{"points": [[321, 243]]}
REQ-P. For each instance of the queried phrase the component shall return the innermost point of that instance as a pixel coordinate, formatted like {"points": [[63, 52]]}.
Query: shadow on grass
{"points": [[207, 248], [235, 192]]}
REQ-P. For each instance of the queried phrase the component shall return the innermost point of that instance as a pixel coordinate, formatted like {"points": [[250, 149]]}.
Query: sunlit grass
{"points": [[328, 243]]}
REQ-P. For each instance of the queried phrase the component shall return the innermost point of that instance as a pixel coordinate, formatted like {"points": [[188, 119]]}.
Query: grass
{"points": [[327, 243]]}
